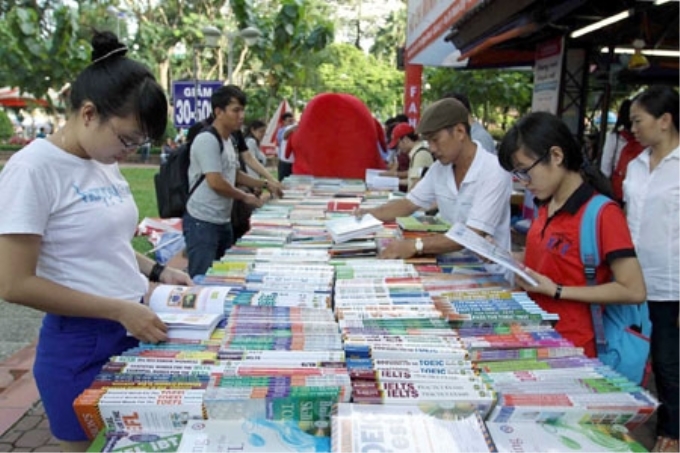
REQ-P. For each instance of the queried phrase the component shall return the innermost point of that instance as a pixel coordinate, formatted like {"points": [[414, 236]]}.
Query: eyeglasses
{"points": [[523, 175], [130, 145]]}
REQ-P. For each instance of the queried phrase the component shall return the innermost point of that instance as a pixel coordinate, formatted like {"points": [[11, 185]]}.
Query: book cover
{"points": [[123, 441], [342, 229], [250, 435], [559, 436], [425, 223]]}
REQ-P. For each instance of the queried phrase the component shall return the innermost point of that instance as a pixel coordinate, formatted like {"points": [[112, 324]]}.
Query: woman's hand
{"points": [[142, 323], [545, 285]]}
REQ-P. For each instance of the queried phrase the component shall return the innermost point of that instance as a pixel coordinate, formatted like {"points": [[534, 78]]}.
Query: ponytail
{"points": [[594, 176]]}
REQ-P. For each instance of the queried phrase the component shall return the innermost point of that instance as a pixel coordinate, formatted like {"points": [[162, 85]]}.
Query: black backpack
{"points": [[172, 180]]}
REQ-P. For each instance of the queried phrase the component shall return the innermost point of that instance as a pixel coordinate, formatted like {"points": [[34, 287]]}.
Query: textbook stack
{"points": [[150, 389], [400, 349], [412, 428], [285, 364]]}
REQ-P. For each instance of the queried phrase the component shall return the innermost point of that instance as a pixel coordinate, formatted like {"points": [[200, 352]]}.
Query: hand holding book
{"points": [[487, 249]]}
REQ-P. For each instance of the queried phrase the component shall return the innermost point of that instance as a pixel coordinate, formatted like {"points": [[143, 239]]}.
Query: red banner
{"points": [[412, 92]]}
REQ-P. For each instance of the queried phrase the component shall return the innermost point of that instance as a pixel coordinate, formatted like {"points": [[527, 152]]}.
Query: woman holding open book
{"points": [[542, 154], [65, 232]]}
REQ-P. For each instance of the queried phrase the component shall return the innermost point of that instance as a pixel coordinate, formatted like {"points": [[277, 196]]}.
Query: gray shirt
{"points": [[478, 133], [206, 204]]}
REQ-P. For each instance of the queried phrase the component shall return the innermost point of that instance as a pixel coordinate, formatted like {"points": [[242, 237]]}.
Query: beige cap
{"points": [[442, 114]]}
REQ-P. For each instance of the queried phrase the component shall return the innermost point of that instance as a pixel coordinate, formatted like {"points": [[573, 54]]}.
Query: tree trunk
{"points": [[164, 74]]}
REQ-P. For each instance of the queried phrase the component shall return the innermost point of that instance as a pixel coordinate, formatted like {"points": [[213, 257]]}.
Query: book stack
{"points": [[422, 428], [590, 393], [342, 229]]}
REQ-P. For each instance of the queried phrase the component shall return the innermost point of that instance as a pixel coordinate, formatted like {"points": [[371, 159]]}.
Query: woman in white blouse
{"points": [[652, 197]]}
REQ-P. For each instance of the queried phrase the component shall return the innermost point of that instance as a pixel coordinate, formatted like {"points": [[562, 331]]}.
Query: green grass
{"points": [[141, 183]]}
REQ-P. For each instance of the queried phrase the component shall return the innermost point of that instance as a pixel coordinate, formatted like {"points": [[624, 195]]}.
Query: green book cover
{"points": [[134, 442], [425, 223]]}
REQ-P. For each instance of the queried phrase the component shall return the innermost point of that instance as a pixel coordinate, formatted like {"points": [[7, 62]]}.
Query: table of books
{"points": [[294, 341]]}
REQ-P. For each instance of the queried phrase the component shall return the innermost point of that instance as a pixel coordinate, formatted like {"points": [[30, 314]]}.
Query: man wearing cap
{"points": [[413, 157], [466, 183]]}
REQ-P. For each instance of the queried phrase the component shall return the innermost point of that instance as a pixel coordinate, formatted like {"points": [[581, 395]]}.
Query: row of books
{"points": [[317, 351]]}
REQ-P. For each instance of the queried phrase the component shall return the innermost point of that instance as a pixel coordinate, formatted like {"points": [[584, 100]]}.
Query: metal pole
{"points": [[196, 49], [230, 57]]}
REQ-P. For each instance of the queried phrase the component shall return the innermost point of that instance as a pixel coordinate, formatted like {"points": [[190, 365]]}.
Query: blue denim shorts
{"points": [[70, 353]]}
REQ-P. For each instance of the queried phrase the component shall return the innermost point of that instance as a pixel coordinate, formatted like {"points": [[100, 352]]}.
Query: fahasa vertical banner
{"points": [[412, 92]]}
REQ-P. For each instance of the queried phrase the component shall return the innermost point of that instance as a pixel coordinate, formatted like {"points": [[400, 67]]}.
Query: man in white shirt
{"points": [[466, 183], [285, 165]]}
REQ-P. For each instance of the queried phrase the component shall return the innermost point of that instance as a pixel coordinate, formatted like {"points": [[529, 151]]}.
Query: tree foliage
{"points": [[42, 46], [492, 92]]}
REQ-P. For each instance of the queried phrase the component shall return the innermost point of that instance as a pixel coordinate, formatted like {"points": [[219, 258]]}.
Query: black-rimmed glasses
{"points": [[130, 145], [523, 175]]}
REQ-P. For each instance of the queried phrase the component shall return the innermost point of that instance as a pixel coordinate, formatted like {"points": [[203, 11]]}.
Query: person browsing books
{"points": [[544, 156], [65, 234], [650, 191], [467, 186], [207, 223]]}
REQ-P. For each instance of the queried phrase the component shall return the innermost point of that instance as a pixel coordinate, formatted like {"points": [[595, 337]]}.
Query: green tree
{"points": [[342, 68], [390, 37], [6, 127], [43, 45], [290, 38], [493, 93]]}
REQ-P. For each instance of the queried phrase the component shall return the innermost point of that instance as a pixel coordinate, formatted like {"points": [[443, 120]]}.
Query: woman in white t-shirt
{"points": [[652, 195], [66, 229]]}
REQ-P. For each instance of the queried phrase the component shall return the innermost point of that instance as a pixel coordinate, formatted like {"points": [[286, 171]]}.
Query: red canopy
{"points": [[12, 97]]}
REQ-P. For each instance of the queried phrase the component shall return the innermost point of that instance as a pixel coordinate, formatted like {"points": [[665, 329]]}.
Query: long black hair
{"points": [[623, 118], [120, 87], [536, 133], [254, 125]]}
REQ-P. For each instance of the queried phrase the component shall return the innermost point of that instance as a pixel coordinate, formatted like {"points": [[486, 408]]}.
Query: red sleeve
{"points": [[613, 234]]}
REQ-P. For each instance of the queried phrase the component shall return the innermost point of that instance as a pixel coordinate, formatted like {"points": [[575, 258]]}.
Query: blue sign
{"points": [[185, 99]]}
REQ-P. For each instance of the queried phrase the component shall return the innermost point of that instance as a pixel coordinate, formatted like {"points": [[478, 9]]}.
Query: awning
{"points": [[14, 98]]}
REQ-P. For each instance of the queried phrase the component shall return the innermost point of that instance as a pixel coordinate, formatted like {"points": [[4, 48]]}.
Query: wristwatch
{"points": [[419, 246]]}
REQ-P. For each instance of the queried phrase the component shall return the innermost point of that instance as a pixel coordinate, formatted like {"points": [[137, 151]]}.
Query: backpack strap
{"points": [[210, 128], [590, 257]]}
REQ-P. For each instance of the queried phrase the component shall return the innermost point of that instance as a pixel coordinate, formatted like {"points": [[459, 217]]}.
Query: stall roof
{"points": [[505, 33]]}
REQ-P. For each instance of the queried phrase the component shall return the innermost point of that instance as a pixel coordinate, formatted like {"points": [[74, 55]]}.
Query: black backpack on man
{"points": [[172, 179]]}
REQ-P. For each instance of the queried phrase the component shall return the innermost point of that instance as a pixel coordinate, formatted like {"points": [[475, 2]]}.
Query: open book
{"points": [[342, 229], [476, 243], [190, 312]]}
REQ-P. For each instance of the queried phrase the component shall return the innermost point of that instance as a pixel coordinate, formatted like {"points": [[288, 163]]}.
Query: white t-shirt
{"points": [[257, 154], [653, 210], [85, 213], [205, 204], [283, 142], [483, 201]]}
